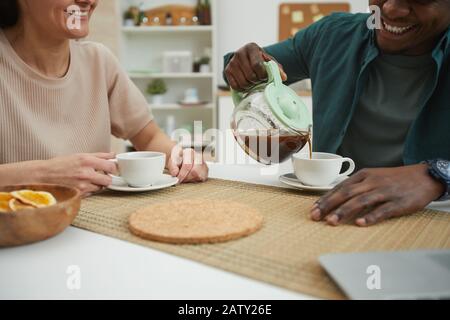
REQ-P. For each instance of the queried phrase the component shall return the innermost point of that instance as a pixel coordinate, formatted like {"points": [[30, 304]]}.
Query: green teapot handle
{"points": [[273, 72]]}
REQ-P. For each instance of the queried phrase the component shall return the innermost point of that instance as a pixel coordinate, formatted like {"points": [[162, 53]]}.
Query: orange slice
{"points": [[5, 196], [38, 199], [16, 205], [4, 202]]}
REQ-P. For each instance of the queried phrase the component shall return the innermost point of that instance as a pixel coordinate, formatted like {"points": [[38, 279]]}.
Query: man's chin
{"points": [[391, 47]]}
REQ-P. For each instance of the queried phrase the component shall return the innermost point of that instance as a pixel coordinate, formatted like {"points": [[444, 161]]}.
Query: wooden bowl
{"points": [[32, 225]]}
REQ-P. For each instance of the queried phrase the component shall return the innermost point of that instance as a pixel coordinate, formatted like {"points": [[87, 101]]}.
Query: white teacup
{"points": [[141, 169], [322, 170]]}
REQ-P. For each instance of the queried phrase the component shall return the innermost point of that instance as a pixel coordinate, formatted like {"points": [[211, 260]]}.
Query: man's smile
{"points": [[397, 36], [397, 29]]}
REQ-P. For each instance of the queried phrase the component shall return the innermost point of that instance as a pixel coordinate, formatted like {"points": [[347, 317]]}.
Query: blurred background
{"points": [[173, 50]]}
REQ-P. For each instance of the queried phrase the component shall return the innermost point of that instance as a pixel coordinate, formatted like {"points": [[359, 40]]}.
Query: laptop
{"points": [[391, 275]]}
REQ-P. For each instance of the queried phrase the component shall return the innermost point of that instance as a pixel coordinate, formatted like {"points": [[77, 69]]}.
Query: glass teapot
{"points": [[269, 121]]}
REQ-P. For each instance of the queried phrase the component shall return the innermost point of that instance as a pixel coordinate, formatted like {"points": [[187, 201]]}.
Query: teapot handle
{"points": [[236, 96], [273, 72]]}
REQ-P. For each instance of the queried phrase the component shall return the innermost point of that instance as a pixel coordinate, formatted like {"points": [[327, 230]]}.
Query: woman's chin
{"points": [[78, 33]]}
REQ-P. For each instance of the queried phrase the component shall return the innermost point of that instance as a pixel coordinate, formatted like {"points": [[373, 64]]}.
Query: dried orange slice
{"points": [[4, 202], [38, 199], [5, 196], [4, 207], [16, 205]]}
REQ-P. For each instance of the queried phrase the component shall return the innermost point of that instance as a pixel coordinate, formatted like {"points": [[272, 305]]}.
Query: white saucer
{"points": [[120, 185], [438, 205], [291, 180]]}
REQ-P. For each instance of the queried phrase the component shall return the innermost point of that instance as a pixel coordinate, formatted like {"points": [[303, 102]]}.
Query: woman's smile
{"points": [[80, 14]]}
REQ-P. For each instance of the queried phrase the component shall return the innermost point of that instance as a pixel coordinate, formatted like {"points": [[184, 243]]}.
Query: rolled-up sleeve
{"points": [[129, 109], [295, 53]]}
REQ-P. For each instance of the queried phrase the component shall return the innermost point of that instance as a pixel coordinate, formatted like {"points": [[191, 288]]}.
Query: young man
{"points": [[381, 97]]}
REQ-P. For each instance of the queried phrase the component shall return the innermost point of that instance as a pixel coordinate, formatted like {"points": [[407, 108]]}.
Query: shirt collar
{"points": [[373, 50], [442, 49], [443, 46]]}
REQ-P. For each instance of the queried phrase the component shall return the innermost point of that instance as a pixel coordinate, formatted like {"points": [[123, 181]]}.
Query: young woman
{"points": [[60, 101]]}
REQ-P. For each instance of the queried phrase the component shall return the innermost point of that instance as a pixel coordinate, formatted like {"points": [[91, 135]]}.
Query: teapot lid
{"points": [[284, 102]]}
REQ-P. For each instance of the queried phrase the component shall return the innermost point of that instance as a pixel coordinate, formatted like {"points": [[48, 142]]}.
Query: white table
{"points": [[114, 269]]}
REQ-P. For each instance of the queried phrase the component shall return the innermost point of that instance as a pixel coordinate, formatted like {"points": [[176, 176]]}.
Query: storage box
{"points": [[177, 62]]}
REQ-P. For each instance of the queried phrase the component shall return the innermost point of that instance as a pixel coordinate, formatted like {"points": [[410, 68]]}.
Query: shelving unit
{"points": [[141, 55], [175, 106], [150, 75], [154, 29]]}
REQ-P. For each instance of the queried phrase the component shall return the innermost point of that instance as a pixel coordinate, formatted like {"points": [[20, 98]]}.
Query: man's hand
{"points": [[373, 195], [187, 165], [246, 68]]}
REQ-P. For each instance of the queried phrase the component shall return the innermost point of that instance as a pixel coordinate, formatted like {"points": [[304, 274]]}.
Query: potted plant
{"points": [[204, 64], [131, 16], [128, 19], [156, 90]]}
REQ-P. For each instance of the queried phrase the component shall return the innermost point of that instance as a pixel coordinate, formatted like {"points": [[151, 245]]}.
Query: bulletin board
{"points": [[296, 16]]}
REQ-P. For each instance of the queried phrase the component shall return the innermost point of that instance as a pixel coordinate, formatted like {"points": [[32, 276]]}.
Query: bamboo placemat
{"points": [[285, 251]]}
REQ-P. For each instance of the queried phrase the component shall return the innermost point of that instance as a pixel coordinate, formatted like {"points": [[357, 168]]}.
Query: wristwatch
{"points": [[439, 169]]}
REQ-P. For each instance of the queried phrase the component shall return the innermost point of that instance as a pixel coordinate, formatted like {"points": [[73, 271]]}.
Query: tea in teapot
{"points": [[271, 146], [270, 122]]}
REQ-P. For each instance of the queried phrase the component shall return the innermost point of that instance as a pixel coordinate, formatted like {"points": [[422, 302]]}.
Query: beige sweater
{"points": [[41, 117]]}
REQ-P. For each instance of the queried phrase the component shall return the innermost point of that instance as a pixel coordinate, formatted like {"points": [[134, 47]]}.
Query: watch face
{"points": [[444, 167]]}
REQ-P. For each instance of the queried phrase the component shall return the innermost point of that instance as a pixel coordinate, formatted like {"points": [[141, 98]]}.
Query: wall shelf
{"points": [[150, 75], [176, 106], [151, 29]]}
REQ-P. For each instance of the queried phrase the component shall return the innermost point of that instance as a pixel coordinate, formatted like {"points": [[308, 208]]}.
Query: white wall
{"points": [[105, 25], [243, 21]]}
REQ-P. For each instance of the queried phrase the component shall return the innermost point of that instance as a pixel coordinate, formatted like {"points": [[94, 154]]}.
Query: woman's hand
{"points": [[187, 165], [246, 68], [86, 172], [373, 195]]}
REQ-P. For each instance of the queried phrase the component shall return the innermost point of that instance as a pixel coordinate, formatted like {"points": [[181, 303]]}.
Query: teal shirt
{"points": [[389, 104], [336, 53]]}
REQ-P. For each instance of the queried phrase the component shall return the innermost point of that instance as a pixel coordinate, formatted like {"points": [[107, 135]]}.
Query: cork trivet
{"points": [[195, 221]]}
